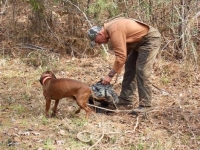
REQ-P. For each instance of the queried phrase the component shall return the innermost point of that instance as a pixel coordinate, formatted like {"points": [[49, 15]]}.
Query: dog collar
{"points": [[45, 79]]}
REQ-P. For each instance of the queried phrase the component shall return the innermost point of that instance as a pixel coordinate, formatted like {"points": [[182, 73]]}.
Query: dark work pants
{"points": [[138, 69]]}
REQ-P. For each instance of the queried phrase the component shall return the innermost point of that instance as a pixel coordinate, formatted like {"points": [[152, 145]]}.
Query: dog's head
{"points": [[45, 75]]}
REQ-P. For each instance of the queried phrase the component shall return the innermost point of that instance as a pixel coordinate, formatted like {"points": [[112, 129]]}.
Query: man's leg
{"points": [[147, 53], [129, 80]]}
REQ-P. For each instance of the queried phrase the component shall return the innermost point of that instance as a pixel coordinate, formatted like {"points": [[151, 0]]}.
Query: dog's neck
{"points": [[45, 78]]}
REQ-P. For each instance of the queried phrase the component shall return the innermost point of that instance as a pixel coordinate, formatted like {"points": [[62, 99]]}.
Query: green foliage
{"points": [[26, 96], [79, 122], [18, 109], [164, 80], [35, 4], [102, 7], [48, 143], [104, 54], [45, 121]]}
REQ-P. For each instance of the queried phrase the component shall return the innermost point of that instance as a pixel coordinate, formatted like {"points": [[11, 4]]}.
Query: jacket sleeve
{"points": [[118, 41]]}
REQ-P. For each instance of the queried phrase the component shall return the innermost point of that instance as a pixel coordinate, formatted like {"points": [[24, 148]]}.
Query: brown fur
{"points": [[57, 89]]}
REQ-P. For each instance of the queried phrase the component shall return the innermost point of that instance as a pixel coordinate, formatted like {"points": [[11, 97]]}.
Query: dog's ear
{"points": [[40, 80], [51, 73], [48, 72], [53, 76]]}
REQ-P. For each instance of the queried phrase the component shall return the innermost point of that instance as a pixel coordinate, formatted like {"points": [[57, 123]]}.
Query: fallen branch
{"points": [[30, 46], [111, 110]]}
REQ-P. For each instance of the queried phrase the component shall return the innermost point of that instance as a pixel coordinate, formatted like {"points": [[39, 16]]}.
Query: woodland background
{"points": [[63, 24], [39, 35]]}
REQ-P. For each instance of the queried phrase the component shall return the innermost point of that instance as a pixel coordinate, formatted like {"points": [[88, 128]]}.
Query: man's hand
{"points": [[106, 80]]}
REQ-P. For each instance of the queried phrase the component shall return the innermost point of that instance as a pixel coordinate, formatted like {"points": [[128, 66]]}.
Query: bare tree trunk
{"points": [[38, 17], [181, 25], [184, 12]]}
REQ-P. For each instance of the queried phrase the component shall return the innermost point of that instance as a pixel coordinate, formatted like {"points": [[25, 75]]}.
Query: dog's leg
{"points": [[82, 102], [55, 108], [78, 111], [48, 103], [87, 110]]}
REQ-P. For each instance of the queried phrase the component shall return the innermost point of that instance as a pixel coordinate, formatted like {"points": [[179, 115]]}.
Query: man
{"points": [[136, 45]]}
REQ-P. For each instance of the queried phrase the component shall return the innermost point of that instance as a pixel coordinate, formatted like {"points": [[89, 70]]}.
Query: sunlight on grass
{"points": [[74, 144], [164, 80], [79, 122], [45, 121], [19, 109], [26, 96], [104, 54], [48, 144], [3, 62]]}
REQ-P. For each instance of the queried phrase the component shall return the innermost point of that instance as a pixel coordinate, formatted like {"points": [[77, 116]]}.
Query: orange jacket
{"points": [[122, 31]]}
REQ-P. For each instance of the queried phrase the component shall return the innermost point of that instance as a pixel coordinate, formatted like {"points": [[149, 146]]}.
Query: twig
{"points": [[80, 11], [83, 140], [101, 108], [30, 46], [105, 50], [161, 90], [116, 111], [136, 125], [99, 138], [53, 34], [4, 8], [82, 132]]}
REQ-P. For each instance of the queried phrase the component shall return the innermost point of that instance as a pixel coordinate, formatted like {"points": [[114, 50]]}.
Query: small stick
{"points": [[136, 125], [116, 111], [99, 138]]}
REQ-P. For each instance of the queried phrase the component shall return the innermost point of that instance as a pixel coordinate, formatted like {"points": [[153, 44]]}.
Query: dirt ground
{"points": [[173, 124]]}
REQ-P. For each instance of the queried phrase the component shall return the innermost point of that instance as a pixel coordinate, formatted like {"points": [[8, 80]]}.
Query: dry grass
{"points": [[174, 123]]}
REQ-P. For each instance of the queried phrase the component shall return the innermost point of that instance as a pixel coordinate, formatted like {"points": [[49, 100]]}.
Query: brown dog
{"points": [[57, 89]]}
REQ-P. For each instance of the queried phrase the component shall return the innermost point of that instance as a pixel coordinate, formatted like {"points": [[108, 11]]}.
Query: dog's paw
{"points": [[78, 111], [53, 115], [47, 115]]}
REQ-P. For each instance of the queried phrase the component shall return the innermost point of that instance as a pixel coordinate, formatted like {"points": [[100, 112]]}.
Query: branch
{"points": [[80, 11], [99, 138], [105, 50], [4, 8], [136, 125]]}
